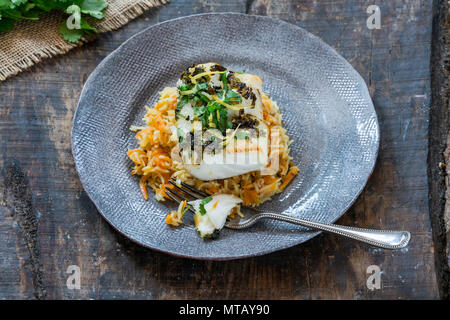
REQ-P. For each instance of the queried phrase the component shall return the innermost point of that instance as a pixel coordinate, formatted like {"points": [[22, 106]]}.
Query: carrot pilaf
{"points": [[156, 161]]}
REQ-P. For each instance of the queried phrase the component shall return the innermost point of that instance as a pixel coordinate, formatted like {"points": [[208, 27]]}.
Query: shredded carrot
{"points": [[213, 189], [269, 179], [173, 102], [159, 123], [160, 158], [145, 130], [166, 176], [215, 204], [291, 174], [143, 187], [160, 104], [173, 219], [137, 156], [267, 103], [251, 197], [169, 219], [248, 186]]}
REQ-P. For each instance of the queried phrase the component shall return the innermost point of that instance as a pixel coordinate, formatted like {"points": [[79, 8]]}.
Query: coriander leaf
{"points": [[94, 8], [17, 3], [223, 77], [86, 26], [232, 96], [195, 99], [223, 114], [220, 94], [6, 4], [199, 110], [94, 5], [11, 10], [16, 14], [212, 107], [204, 98], [6, 24], [202, 205], [28, 7], [50, 5], [31, 11], [70, 35], [185, 87], [73, 35], [202, 86], [181, 102]]}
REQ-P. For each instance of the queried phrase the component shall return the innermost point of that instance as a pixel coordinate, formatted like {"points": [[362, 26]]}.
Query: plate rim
{"points": [[311, 235]]}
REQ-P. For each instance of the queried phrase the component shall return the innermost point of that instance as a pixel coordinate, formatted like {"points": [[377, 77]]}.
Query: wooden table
{"points": [[48, 223]]}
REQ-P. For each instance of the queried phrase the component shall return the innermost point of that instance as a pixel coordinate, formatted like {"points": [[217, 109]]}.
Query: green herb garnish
{"points": [[207, 110], [12, 11], [185, 87], [204, 98], [202, 86], [223, 77], [232, 97], [202, 205]]}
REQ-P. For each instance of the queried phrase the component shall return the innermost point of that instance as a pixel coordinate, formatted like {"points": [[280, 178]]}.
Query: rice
{"points": [[155, 163]]}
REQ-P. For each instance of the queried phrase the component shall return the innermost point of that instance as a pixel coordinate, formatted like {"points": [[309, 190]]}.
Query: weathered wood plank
{"points": [[439, 141], [35, 120]]}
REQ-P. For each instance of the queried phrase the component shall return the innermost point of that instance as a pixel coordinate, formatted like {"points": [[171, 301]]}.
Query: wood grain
{"points": [[47, 221], [439, 144]]}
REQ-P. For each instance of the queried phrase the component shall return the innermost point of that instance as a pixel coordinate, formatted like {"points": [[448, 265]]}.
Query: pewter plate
{"points": [[327, 111]]}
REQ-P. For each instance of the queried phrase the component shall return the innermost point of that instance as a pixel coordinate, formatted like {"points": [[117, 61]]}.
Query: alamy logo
{"points": [[374, 20], [74, 20], [74, 280], [374, 280]]}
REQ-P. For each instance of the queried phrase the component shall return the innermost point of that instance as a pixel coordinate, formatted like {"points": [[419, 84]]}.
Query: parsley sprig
{"points": [[12, 11]]}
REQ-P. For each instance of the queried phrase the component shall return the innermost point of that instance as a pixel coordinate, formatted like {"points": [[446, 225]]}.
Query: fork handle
{"points": [[387, 239]]}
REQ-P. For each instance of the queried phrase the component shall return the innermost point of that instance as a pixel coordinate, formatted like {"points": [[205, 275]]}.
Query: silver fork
{"points": [[387, 239]]}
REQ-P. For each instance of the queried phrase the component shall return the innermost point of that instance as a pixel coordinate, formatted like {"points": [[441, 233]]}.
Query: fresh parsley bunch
{"points": [[15, 10]]}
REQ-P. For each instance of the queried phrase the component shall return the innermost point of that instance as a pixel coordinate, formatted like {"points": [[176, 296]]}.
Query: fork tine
{"points": [[177, 194], [188, 189], [174, 198], [185, 190]]}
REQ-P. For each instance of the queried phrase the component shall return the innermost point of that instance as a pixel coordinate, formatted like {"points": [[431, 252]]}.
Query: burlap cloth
{"points": [[32, 41]]}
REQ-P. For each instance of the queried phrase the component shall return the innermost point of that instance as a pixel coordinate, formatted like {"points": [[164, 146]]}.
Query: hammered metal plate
{"points": [[326, 109]]}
